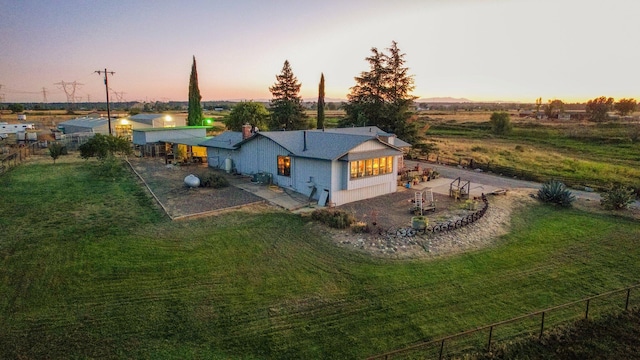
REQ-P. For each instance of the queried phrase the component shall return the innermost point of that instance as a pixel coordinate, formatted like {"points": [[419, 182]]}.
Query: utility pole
{"points": [[106, 85], [44, 95]]}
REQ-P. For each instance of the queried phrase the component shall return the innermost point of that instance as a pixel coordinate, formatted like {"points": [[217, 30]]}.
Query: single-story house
{"points": [[335, 166]]}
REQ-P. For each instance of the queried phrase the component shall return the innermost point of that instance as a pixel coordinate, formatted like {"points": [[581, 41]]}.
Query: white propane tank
{"points": [[228, 165], [192, 181]]}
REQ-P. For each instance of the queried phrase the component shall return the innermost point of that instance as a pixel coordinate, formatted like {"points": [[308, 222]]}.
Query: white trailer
{"points": [[6, 128]]}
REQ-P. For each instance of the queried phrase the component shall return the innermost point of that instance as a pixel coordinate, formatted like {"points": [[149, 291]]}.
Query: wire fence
{"points": [[486, 337]]}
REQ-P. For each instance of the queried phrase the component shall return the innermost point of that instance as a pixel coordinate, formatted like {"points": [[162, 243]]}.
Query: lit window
{"points": [[371, 167], [284, 166]]}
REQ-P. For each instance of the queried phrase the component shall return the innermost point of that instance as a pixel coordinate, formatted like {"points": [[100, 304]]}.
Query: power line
{"points": [[106, 85], [69, 89]]}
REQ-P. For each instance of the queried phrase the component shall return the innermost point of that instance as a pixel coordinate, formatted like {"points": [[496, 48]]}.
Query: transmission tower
{"points": [[69, 89]]}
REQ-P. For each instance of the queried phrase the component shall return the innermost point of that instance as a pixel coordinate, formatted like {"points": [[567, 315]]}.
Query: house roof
{"points": [[226, 140], [170, 128], [145, 118], [326, 145], [193, 141], [318, 144], [367, 130]]}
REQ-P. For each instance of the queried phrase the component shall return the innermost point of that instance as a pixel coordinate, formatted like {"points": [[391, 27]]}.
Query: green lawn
{"points": [[89, 268]]}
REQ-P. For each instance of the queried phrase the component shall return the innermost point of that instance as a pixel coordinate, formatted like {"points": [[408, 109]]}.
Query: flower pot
{"points": [[419, 222]]}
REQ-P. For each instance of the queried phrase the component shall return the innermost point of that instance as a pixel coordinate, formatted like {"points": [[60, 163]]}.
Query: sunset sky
{"points": [[482, 50]]}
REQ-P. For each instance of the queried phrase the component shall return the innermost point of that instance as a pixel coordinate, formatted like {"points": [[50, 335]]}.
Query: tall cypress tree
{"points": [[286, 106], [195, 108], [320, 122]]}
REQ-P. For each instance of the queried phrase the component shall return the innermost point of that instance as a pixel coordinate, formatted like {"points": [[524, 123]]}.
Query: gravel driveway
{"points": [[493, 179]]}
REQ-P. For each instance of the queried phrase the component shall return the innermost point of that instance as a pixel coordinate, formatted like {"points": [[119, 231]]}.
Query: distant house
{"points": [[334, 166], [564, 116]]}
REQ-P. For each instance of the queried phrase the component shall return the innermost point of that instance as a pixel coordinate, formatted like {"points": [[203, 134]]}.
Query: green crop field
{"points": [[89, 268]]}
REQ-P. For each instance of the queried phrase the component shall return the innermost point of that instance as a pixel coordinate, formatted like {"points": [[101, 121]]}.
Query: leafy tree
{"points": [[500, 123], [553, 108], [598, 108], [538, 105], [381, 96], [103, 146], [286, 106], [195, 108], [247, 112], [320, 122], [625, 106], [56, 150], [16, 108]]}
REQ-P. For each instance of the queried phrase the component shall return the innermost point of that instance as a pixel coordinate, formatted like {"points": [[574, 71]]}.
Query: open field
{"points": [[583, 153], [90, 268]]}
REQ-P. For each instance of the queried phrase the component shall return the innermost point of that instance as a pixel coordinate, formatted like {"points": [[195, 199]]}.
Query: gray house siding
{"points": [[261, 155], [310, 173]]}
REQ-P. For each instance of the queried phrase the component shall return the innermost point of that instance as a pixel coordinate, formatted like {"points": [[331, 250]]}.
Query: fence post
{"points": [[541, 326], [489, 343], [626, 305], [441, 349], [586, 313]]}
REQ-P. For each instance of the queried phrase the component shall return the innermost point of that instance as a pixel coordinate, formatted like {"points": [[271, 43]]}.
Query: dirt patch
{"points": [[167, 183]]}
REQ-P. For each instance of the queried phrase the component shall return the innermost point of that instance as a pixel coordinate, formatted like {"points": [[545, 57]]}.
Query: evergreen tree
{"points": [[194, 117], [286, 106], [381, 96], [320, 122]]}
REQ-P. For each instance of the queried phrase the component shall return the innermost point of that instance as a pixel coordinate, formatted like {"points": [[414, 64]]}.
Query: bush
{"points": [[618, 197], [110, 167], [555, 192], [215, 181], [338, 219], [500, 123], [360, 227]]}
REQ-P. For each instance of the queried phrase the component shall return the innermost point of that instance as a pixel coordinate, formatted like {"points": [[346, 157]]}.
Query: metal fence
{"points": [[485, 337]]}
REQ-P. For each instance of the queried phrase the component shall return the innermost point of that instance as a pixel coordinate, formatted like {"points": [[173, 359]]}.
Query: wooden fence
{"points": [[17, 155]]}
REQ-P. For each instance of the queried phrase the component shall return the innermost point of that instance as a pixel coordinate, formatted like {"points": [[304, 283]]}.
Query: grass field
{"points": [[595, 155], [89, 268]]}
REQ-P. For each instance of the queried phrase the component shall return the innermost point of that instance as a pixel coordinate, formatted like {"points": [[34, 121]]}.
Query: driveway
{"points": [[492, 180]]}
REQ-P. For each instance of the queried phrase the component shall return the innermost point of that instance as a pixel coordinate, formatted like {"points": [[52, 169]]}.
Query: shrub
{"points": [[215, 181], [360, 227], [338, 219], [618, 197], [555, 192], [500, 123], [519, 148], [110, 167]]}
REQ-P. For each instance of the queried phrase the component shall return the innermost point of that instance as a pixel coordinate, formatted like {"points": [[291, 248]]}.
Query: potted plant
{"points": [[419, 222]]}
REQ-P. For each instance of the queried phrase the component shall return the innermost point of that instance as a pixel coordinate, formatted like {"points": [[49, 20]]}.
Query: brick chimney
{"points": [[246, 131]]}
